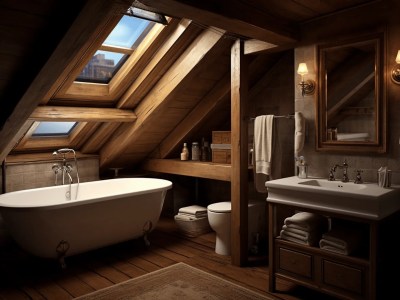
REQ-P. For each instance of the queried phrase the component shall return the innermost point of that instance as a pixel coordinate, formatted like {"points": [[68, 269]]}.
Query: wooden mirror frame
{"points": [[379, 145]]}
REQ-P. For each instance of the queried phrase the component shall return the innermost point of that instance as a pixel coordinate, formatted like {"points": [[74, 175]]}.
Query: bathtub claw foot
{"points": [[146, 229], [146, 241], [62, 249]]}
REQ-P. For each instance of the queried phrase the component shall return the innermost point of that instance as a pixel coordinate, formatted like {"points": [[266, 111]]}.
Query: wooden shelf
{"points": [[200, 169]]}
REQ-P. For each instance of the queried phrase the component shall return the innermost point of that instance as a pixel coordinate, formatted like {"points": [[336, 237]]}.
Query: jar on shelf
{"points": [[195, 151]]}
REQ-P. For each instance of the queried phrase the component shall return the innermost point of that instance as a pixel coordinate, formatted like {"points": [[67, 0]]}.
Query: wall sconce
{"points": [[396, 70], [307, 87]]}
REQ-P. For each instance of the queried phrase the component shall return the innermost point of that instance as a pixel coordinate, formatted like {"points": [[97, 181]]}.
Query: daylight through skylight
{"points": [[127, 35], [54, 129]]}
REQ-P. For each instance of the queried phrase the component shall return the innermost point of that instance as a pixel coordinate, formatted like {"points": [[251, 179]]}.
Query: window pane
{"points": [[127, 32], [54, 128], [102, 67]]}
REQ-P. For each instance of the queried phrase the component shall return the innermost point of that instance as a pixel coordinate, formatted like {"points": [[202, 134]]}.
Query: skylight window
{"points": [[53, 129], [115, 50]]}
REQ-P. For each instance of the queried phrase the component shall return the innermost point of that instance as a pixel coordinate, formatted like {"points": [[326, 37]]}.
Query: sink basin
{"points": [[366, 200], [336, 185]]}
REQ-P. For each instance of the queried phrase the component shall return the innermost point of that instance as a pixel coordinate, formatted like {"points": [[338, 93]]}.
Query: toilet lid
{"points": [[220, 207]]}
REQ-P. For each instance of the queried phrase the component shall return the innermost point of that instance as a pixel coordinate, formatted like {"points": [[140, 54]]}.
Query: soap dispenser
{"points": [[302, 168]]}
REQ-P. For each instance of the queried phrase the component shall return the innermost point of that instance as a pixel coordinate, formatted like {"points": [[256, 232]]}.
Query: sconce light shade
{"points": [[396, 69], [307, 87], [302, 69]]}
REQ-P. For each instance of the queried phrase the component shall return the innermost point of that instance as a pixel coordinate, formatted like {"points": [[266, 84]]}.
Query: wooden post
{"points": [[239, 154]]}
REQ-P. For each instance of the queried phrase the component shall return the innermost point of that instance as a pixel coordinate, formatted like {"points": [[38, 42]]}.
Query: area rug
{"points": [[176, 282]]}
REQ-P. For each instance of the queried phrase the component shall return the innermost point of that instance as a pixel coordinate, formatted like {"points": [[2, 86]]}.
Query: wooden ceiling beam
{"points": [[90, 17], [98, 138], [82, 114], [183, 34], [195, 117], [256, 47], [233, 16], [150, 108]]}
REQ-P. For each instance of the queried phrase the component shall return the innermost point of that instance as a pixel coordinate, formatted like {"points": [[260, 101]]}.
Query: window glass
{"points": [[128, 32], [102, 67], [54, 128]]}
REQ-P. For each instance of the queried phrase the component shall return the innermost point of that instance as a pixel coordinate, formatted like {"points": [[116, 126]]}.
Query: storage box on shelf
{"points": [[221, 147]]}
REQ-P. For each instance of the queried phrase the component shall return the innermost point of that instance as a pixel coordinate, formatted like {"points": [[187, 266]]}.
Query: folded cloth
{"points": [[311, 238], [343, 240], [195, 210], [303, 241], [333, 247], [297, 231], [186, 217], [307, 221]]}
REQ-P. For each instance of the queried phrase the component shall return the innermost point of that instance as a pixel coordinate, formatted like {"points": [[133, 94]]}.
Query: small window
{"points": [[102, 67], [54, 129], [128, 32], [115, 50]]}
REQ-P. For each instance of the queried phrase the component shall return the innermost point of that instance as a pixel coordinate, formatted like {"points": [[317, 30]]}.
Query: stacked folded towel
{"points": [[192, 212], [192, 220], [341, 240], [304, 228]]}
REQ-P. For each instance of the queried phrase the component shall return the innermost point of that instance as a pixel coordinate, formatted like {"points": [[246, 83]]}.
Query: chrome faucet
{"points": [[344, 166], [66, 169]]}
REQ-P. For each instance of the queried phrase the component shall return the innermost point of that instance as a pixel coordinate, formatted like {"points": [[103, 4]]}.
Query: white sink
{"points": [[335, 185], [366, 200]]}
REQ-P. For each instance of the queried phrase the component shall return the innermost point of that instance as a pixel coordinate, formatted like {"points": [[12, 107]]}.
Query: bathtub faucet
{"points": [[66, 169]]}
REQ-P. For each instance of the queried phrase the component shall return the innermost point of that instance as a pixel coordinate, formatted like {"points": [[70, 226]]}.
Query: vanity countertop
{"points": [[365, 200]]}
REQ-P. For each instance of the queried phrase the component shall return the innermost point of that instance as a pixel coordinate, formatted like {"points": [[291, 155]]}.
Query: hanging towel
{"points": [[299, 132], [263, 129]]}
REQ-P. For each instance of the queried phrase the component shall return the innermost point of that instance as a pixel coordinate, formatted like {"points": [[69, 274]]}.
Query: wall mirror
{"points": [[351, 107]]}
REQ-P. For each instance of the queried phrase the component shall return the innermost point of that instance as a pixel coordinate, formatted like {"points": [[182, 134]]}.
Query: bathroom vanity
{"points": [[371, 209]]}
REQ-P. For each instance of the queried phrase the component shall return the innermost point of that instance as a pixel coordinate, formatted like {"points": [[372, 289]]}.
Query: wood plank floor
{"points": [[25, 277]]}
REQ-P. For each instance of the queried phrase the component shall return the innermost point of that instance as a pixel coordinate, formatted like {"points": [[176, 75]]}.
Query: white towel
{"points": [[287, 237], [195, 210], [297, 231], [307, 221], [344, 240], [263, 129], [299, 132]]}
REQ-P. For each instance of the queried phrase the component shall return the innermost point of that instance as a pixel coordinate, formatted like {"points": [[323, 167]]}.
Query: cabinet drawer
{"points": [[345, 277], [295, 262]]}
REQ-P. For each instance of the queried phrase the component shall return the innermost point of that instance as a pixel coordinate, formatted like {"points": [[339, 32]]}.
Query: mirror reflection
{"points": [[349, 112]]}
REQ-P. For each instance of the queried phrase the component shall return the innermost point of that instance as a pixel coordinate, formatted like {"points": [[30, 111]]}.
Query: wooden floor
{"points": [[25, 277]]}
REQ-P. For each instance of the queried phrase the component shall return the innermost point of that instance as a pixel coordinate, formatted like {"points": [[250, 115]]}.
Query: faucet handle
{"points": [[358, 179]]}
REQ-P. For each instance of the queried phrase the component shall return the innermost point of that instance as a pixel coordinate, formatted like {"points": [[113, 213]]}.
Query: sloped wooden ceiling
{"points": [[173, 90]]}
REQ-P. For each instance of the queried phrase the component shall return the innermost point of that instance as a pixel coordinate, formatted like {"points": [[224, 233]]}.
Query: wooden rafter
{"points": [[232, 16], [165, 56], [150, 108], [45, 82], [81, 114]]}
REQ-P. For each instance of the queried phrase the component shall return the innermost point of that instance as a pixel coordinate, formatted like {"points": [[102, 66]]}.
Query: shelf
{"points": [[200, 169], [360, 260]]}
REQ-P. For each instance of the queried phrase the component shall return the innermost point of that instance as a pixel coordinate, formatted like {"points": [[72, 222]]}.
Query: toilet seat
{"points": [[220, 207], [223, 207]]}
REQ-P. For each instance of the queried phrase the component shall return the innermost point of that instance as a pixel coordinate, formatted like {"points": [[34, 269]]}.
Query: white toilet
{"points": [[219, 217]]}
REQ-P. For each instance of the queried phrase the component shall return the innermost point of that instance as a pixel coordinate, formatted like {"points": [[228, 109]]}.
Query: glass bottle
{"points": [[195, 151], [205, 150], [185, 152]]}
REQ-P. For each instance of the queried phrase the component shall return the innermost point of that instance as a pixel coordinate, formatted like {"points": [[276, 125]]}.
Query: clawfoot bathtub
{"points": [[46, 224]]}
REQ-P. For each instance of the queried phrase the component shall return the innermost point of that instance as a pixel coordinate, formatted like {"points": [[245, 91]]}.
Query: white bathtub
{"points": [[44, 223]]}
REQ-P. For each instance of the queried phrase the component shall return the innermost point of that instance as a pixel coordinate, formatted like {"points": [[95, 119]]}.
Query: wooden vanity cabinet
{"points": [[345, 277]]}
